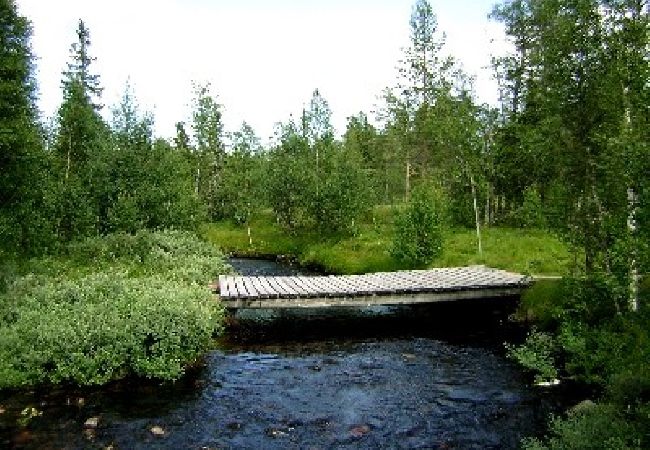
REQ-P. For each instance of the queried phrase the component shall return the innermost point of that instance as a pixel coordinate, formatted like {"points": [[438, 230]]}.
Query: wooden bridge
{"points": [[384, 288]]}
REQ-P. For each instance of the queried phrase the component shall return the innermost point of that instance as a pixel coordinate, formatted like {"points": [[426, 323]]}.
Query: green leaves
{"points": [[537, 355], [143, 309], [418, 230]]}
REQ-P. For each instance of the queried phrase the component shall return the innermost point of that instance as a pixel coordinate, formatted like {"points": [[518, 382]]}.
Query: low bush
{"points": [[537, 355], [595, 427], [418, 229], [144, 309]]}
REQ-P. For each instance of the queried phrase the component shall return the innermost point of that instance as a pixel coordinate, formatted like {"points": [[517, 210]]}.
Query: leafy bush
{"points": [[531, 212], [93, 328], [418, 229], [537, 354], [179, 254], [597, 427]]}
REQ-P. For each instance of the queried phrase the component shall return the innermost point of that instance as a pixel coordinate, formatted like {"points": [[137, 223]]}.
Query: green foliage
{"points": [[25, 226], [537, 354], [116, 306], [105, 326], [369, 248], [178, 254], [597, 427], [313, 181], [342, 196], [288, 183], [418, 229], [539, 303], [208, 153], [239, 189], [592, 106], [531, 212], [598, 354], [148, 184]]}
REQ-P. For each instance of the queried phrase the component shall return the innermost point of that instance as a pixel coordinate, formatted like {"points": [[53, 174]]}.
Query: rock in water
{"points": [[157, 430], [91, 422]]}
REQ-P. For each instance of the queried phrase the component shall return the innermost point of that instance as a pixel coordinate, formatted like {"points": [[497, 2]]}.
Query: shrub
{"points": [[418, 229], [144, 309], [536, 355], [179, 254], [105, 326], [531, 212], [598, 427]]}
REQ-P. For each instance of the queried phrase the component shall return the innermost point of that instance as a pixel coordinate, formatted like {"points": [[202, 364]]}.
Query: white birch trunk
{"points": [[476, 216], [633, 300]]}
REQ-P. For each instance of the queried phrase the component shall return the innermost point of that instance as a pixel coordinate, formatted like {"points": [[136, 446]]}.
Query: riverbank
{"points": [[107, 308], [348, 380], [528, 251]]}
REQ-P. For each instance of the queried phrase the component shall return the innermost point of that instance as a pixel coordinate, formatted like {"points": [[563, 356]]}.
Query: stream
{"points": [[426, 377]]}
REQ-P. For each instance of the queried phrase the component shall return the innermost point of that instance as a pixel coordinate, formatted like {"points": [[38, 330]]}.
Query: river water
{"points": [[380, 378]]}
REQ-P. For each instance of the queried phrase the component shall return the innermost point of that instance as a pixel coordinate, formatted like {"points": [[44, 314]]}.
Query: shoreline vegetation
{"points": [[529, 251], [108, 308]]}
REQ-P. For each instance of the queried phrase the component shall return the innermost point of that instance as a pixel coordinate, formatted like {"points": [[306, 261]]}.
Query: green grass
{"points": [[527, 251], [368, 250]]}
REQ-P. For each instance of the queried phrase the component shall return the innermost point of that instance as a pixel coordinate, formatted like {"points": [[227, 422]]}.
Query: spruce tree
{"points": [[79, 145], [23, 223]]}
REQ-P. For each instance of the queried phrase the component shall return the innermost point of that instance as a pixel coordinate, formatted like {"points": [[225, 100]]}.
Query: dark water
{"points": [[407, 378]]}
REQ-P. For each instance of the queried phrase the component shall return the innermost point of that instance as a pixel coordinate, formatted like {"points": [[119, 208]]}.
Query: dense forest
{"points": [[567, 150]]}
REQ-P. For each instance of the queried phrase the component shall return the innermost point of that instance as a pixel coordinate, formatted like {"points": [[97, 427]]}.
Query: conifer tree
{"points": [[79, 145], [23, 219]]}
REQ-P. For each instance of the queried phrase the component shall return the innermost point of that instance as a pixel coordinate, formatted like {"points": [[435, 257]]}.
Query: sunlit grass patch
{"points": [[368, 249]]}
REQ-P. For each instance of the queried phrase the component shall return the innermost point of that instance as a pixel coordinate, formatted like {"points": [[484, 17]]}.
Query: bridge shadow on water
{"points": [[486, 322]]}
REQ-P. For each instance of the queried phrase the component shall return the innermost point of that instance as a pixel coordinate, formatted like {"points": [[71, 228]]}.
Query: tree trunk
{"points": [[634, 271], [407, 186], [486, 221], [250, 239], [67, 167], [476, 216]]}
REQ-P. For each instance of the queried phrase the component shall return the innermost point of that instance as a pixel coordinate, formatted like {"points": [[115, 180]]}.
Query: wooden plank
{"points": [[222, 285], [261, 290], [279, 290], [239, 287], [230, 287], [321, 286], [285, 288], [335, 286], [270, 291], [308, 289], [297, 288]]}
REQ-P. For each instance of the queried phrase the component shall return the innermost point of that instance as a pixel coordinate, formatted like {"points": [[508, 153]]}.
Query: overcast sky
{"points": [[263, 58]]}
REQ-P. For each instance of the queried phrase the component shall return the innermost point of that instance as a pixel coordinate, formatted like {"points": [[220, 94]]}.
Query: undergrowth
{"points": [[110, 307]]}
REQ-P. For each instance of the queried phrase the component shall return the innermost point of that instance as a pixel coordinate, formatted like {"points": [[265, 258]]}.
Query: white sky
{"points": [[263, 58]]}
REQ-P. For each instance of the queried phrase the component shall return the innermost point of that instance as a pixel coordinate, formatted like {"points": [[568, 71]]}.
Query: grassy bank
{"points": [[368, 250], [107, 308]]}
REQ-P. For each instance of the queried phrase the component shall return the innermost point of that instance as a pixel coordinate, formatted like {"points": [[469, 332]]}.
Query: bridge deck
{"points": [[384, 288]]}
